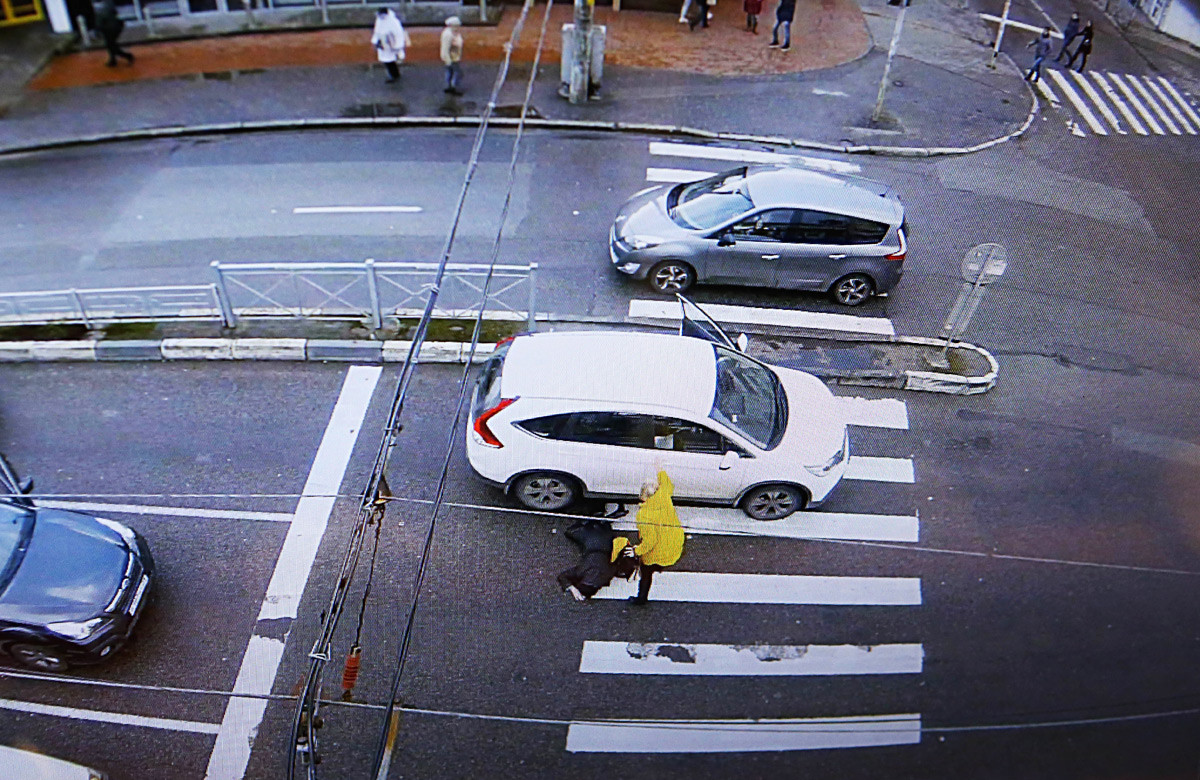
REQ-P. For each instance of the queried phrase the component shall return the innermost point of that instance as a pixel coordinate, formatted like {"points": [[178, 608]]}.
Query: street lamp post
{"points": [[877, 114], [581, 76]]}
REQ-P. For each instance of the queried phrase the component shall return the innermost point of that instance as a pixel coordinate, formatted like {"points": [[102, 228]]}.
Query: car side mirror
{"points": [[725, 239], [728, 459], [26, 487], [743, 341]]}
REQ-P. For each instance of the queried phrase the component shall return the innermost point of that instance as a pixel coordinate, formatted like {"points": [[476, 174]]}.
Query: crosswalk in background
{"points": [[632, 655], [1107, 103]]}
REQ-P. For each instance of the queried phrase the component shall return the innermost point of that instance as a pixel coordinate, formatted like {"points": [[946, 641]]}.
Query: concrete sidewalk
{"points": [[720, 79]]}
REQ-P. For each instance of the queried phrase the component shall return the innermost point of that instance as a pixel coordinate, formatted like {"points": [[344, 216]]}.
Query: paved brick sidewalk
{"points": [[825, 33]]}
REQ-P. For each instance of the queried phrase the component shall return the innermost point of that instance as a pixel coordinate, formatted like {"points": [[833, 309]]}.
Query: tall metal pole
{"points": [[581, 64], [1000, 32], [887, 69]]}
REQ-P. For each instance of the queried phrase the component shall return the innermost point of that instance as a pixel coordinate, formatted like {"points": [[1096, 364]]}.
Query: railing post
{"points": [[222, 295], [373, 290], [82, 311], [532, 324]]}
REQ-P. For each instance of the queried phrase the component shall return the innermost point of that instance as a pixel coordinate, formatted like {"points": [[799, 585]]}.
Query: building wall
{"points": [[1182, 20]]}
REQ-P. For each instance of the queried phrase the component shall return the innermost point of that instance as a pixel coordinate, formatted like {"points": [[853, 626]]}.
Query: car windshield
{"points": [[16, 526], [749, 399], [710, 202]]}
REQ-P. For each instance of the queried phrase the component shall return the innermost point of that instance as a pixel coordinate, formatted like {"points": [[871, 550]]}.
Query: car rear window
{"points": [[487, 389]]}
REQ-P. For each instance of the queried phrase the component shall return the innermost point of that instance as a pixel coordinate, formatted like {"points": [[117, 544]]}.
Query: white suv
{"points": [[556, 416]]}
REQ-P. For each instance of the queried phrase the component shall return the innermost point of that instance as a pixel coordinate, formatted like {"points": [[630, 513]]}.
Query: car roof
{"points": [[640, 369], [781, 186]]}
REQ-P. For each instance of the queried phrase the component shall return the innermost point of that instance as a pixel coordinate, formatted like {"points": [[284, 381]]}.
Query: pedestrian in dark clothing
{"points": [[785, 12], [603, 553], [1040, 53], [1084, 47], [1070, 33], [752, 8], [698, 14], [110, 27]]}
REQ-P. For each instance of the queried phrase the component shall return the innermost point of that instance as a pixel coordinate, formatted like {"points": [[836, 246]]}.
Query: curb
{"points": [[923, 381]]}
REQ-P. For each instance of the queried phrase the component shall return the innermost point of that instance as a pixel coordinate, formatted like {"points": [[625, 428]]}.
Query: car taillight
{"points": [[481, 422], [899, 255], [505, 340]]}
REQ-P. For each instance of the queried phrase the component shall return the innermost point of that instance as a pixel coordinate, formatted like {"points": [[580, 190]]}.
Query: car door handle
{"points": [[836, 257], [770, 257]]}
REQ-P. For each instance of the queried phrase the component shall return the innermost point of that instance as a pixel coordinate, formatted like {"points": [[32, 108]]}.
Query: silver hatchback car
{"points": [[765, 225]]}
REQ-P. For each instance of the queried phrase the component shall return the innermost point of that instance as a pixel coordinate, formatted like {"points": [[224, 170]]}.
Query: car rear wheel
{"points": [[853, 289], [546, 491], [43, 658], [773, 502], [671, 276]]}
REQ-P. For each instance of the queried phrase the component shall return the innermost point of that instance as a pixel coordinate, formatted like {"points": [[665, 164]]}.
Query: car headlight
{"points": [[642, 242], [76, 629], [834, 460], [125, 531]]}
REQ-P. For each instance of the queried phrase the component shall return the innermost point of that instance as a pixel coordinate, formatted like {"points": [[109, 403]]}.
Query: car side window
{"points": [[671, 433], [548, 427], [772, 225], [820, 227], [621, 429], [864, 231]]}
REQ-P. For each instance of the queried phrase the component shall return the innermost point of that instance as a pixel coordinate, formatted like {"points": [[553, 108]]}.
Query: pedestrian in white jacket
{"points": [[452, 52], [389, 40]]}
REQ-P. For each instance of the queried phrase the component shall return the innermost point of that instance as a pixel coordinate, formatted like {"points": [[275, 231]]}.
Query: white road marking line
{"points": [[1170, 105], [874, 469], [829, 92], [1180, 101], [1078, 102], [748, 660], [98, 716], [169, 511], [1115, 99], [800, 525], [1153, 103], [724, 588], [1132, 97], [357, 210], [675, 175], [260, 664], [1046, 92], [1097, 101], [700, 151], [742, 736], [747, 315], [875, 412]]}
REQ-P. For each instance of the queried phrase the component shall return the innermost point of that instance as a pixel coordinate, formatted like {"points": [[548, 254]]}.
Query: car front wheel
{"points": [[671, 276], [43, 658], [546, 491], [773, 502], [853, 290]]}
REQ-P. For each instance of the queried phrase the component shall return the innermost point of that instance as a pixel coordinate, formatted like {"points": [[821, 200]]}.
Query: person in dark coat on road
{"points": [[785, 12], [1070, 33], [1040, 53], [110, 27], [1084, 47], [603, 553], [752, 8]]}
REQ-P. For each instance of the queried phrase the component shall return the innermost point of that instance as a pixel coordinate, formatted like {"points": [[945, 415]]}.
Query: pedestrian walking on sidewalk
{"points": [[1070, 33], [111, 26], [1084, 47], [752, 8], [660, 536], [784, 13], [1040, 53], [390, 40], [452, 52], [698, 14], [605, 555]]}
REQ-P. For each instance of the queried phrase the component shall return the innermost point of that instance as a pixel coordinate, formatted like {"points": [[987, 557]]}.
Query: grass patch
{"points": [[490, 331], [131, 330], [63, 332]]}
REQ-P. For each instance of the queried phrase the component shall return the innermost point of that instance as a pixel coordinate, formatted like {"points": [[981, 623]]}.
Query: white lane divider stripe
{"points": [[800, 525], [703, 152], [748, 315], [1187, 109], [1170, 104], [1115, 99], [169, 511], [1098, 101], [1078, 102], [98, 716], [357, 210], [722, 588], [1046, 92], [742, 736], [1153, 103], [875, 412], [874, 469], [675, 175], [601, 657], [1132, 97], [260, 663]]}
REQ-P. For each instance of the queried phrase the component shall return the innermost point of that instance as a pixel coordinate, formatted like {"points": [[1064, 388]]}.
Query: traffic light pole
{"points": [[581, 65]]}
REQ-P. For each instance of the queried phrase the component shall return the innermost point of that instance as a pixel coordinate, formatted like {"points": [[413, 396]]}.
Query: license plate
{"points": [[139, 594]]}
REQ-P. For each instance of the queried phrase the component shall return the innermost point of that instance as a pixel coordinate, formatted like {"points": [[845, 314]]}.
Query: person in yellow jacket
{"points": [[660, 536]]}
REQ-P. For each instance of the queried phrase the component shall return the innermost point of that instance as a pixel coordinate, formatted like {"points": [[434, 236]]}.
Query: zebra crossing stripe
{"points": [[742, 736], [749, 660], [1170, 104], [749, 315], [1153, 103], [875, 469], [1077, 101], [795, 589], [675, 175], [1137, 103], [1046, 92], [1098, 101], [800, 525], [1181, 100], [700, 151], [875, 412], [1115, 99]]}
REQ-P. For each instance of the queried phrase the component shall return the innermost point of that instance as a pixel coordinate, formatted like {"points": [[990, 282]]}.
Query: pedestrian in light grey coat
{"points": [[1040, 53]]}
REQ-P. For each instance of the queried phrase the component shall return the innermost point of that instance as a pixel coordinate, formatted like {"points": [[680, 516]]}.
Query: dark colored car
{"points": [[72, 586]]}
